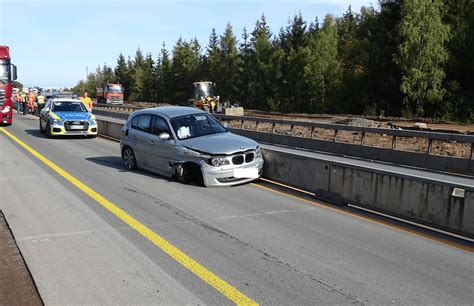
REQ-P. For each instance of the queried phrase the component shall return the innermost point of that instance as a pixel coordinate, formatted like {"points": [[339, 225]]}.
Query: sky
{"points": [[54, 42]]}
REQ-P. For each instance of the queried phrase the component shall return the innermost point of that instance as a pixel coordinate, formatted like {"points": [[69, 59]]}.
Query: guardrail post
{"points": [[291, 129], [335, 135], [256, 126], [273, 128], [362, 139], [312, 132], [472, 150], [394, 142], [430, 146], [241, 124]]}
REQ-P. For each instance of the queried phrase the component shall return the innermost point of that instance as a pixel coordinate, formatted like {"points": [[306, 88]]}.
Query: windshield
{"points": [[68, 107], [203, 90], [114, 88], [4, 72], [196, 125]]}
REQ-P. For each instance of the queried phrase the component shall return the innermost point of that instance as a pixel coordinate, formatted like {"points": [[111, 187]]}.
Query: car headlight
{"points": [[258, 152], [218, 161], [92, 122], [56, 121], [6, 109]]}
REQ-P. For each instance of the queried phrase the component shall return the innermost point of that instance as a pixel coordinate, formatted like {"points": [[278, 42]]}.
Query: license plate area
{"points": [[246, 173], [76, 127]]}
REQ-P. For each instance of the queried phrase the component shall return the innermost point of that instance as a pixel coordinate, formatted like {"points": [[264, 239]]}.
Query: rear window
{"points": [[141, 123]]}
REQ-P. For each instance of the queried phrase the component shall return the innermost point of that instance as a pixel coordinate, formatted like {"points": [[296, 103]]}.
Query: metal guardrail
{"points": [[122, 112], [430, 136]]}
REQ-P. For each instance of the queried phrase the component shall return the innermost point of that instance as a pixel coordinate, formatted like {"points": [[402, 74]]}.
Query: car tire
{"points": [[191, 174], [128, 158], [41, 127], [48, 130]]}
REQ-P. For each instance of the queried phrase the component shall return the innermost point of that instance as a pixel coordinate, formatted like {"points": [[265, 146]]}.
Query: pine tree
{"points": [[460, 67], [165, 75], [212, 58], [185, 67], [265, 68], [293, 57], [228, 65], [149, 90], [380, 78], [245, 68]]}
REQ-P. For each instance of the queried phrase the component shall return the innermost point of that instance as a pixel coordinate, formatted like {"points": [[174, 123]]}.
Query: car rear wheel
{"points": [[128, 158]]}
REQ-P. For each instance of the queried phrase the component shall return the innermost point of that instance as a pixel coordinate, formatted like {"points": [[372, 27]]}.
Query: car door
{"points": [[140, 137], [161, 151]]}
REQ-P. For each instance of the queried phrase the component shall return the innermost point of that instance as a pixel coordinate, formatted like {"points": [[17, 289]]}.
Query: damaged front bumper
{"points": [[229, 175]]}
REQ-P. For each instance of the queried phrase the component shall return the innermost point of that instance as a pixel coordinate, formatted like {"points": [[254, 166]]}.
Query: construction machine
{"points": [[204, 97]]}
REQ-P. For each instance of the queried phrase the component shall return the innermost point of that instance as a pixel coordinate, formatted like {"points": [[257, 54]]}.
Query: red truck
{"points": [[7, 76], [110, 94]]}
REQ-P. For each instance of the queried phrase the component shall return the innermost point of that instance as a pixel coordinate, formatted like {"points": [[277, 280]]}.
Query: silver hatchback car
{"points": [[189, 145]]}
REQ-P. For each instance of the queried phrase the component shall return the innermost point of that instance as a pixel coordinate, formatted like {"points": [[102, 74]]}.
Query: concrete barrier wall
{"points": [[421, 200], [416, 199], [110, 128]]}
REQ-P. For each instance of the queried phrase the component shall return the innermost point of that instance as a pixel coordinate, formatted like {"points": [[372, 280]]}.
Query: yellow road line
{"points": [[367, 218], [286, 186], [207, 276]]}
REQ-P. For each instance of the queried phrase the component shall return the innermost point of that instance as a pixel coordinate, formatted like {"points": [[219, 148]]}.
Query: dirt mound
{"points": [[358, 122]]}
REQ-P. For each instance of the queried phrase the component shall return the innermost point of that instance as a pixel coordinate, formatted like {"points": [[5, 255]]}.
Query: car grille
{"points": [[2, 96], [239, 159], [67, 125]]}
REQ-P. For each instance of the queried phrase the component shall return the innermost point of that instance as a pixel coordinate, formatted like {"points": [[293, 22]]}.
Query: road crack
{"points": [[323, 283]]}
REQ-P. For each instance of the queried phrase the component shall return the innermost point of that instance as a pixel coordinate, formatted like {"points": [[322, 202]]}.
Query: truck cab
{"points": [[110, 94], [7, 76]]}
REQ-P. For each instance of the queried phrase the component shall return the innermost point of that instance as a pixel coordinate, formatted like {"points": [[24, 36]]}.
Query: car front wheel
{"points": [[48, 130], [128, 158], [41, 127]]}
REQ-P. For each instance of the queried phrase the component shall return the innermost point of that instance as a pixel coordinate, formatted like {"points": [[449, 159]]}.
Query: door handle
{"points": [[151, 142]]}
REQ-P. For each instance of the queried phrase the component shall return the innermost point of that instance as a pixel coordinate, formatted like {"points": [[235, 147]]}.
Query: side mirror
{"points": [[14, 74], [225, 124], [46, 109], [164, 136]]}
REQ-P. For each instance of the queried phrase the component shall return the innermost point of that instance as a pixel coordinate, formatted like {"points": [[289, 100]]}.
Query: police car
{"points": [[67, 117]]}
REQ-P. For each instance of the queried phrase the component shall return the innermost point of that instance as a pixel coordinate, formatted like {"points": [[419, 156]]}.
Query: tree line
{"points": [[406, 58]]}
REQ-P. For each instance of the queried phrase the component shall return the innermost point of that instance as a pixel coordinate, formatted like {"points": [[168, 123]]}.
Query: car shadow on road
{"points": [[38, 134], [115, 162]]}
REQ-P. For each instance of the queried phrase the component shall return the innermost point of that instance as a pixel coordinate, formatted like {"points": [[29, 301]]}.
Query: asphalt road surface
{"points": [[266, 245]]}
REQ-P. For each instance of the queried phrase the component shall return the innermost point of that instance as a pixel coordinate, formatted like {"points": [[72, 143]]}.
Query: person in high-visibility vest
{"points": [[31, 102], [23, 103], [40, 100], [18, 102], [87, 101]]}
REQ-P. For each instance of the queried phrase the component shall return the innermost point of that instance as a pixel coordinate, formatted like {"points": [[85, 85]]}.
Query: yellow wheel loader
{"points": [[204, 97]]}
